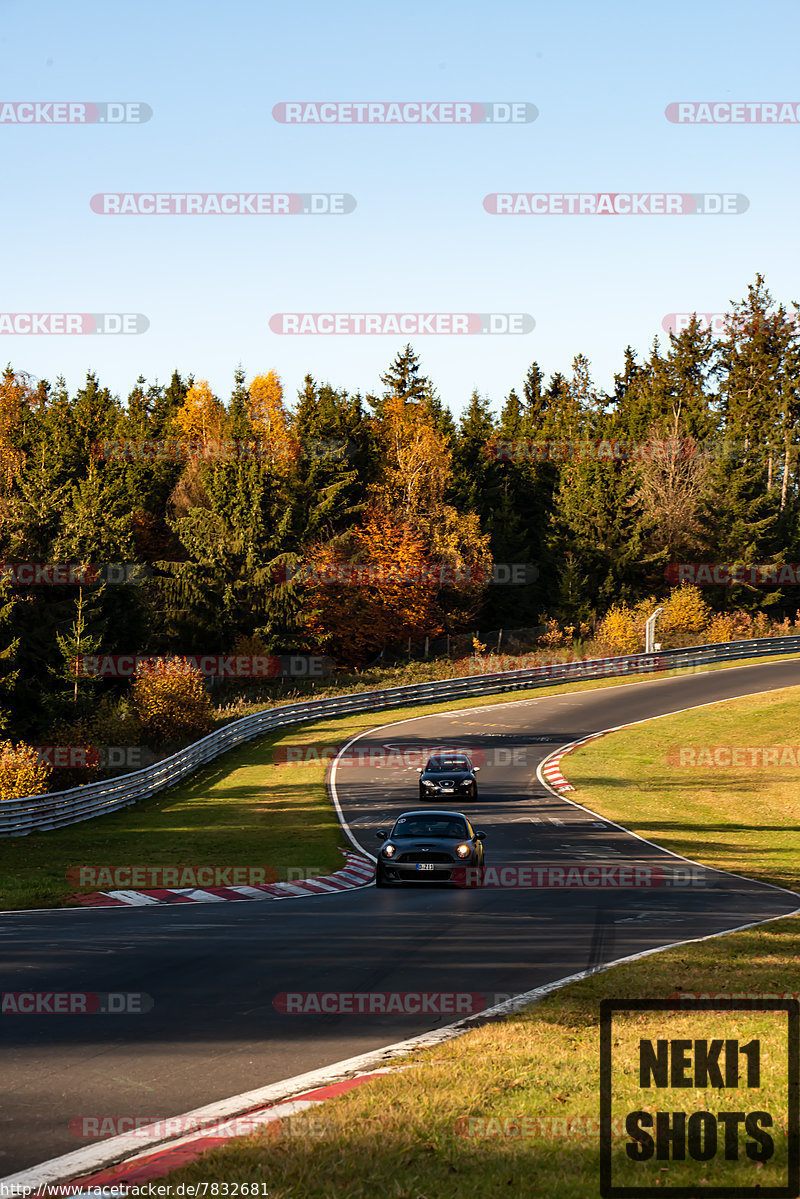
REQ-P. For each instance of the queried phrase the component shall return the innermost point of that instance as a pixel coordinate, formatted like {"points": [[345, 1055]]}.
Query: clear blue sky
{"points": [[419, 240]]}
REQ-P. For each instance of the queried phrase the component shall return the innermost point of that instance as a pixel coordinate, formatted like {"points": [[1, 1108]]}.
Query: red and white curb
{"points": [[551, 771], [357, 873], [554, 776], [202, 1136]]}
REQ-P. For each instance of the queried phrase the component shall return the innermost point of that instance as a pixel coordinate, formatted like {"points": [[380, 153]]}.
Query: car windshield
{"points": [[429, 826], [440, 765]]}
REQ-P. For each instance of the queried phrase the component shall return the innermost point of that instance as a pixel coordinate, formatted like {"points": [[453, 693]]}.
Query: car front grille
{"points": [[425, 856]]}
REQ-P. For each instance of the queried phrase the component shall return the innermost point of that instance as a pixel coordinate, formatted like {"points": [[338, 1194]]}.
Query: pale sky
{"points": [[419, 239]]}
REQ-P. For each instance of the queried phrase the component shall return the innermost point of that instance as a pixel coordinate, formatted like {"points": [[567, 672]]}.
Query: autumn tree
{"points": [[417, 472], [16, 397], [372, 589], [269, 419], [200, 417]]}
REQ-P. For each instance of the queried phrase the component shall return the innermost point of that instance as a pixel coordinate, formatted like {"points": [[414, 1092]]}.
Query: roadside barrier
{"points": [[19, 817]]}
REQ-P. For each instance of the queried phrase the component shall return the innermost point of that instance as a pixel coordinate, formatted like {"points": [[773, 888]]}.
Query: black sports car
{"points": [[428, 845], [449, 774]]}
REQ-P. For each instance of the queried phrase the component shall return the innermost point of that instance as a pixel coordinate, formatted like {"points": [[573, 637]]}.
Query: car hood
{"points": [[406, 843], [447, 775]]}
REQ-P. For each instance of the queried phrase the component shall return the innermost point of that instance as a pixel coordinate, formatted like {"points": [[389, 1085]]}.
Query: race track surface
{"points": [[213, 970]]}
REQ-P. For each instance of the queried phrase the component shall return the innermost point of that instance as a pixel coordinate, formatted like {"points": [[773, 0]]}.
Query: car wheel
{"points": [[380, 877], [474, 792], [421, 796]]}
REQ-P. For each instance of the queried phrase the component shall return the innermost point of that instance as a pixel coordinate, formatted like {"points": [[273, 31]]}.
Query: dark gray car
{"points": [[429, 846], [448, 775]]}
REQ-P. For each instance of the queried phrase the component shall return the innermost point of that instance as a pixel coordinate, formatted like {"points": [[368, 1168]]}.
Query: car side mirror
{"points": [[419, 770], [479, 836], [476, 768], [381, 835]]}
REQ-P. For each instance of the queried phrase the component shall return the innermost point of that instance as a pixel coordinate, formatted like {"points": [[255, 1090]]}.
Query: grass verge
{"points": [[512, 1107]]}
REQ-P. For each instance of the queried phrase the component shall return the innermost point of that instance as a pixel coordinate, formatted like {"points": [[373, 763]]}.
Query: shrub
{"points": [[620, 632], [685, 611], [556, 635], [721, 628], [171, 700], [742, 626], [21, 771]]}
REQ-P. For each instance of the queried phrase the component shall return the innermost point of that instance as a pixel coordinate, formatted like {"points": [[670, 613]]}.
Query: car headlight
{"points": [[428, 783], [389, 851], [463, 851], [466, 782]]}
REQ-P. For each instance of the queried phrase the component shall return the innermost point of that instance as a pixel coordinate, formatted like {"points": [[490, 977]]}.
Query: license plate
{"points": [[426, 865]]}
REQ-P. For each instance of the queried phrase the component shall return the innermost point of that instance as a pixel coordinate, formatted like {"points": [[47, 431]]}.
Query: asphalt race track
{"points": [[213, 969]]}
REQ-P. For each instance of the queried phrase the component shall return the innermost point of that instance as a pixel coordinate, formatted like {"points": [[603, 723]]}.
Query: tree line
{"points": [[247, 516]]}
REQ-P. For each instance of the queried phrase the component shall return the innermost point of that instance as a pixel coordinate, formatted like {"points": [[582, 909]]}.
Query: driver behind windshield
{"points": [[430, 828], [437, 765]]}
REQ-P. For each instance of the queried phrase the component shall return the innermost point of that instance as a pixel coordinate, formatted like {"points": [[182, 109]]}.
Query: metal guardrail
{"points": [[19, 817]]}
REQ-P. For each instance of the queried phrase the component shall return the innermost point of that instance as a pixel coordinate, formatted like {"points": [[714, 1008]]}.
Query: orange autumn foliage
{"points": [[269, 419], [201, 415], [15, 394], [379, 590]]}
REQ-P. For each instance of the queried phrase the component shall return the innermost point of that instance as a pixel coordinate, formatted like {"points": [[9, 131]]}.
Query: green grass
{"points": [[737, 818], [239, 812], [531, 1081]]}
